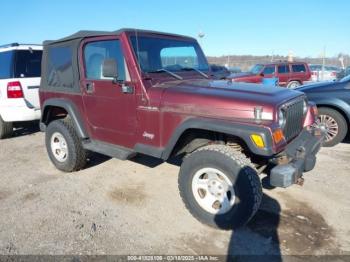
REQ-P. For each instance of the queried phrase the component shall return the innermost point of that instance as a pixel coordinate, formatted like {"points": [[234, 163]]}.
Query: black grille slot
{"points": [[294, 119]]}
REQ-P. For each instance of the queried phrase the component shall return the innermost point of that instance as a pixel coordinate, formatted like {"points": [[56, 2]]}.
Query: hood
{"points": [[220, 98], [321, 86]]}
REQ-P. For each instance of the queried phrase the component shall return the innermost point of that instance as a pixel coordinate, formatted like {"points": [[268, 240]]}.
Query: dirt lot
{"points": [[133, 207]]}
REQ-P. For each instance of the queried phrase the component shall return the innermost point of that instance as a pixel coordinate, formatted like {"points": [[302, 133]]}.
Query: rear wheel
{"points": [[293, 84], [6, 129], [220, 187], [64, 147], [334, 125]]}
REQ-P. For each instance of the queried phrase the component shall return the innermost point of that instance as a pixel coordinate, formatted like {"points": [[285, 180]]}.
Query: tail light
{"points": [[334, 74], [14, 90]]}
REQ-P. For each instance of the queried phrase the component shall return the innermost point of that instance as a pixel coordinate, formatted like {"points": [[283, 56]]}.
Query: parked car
{"points": [[219, 72], [328, 73], [234, 69], [135, 91], [290, 75], [333, 101], [19, 85], [343, 73]]}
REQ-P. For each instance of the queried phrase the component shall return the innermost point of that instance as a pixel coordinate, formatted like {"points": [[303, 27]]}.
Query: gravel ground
{"points": [[133, 207]]}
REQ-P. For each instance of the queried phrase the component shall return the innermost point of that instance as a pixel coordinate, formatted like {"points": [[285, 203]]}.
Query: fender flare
{"points": [[335, 103], [71, 110], [230, 128]]}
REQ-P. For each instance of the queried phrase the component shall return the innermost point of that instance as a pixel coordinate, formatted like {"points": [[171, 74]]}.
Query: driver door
{"points": [[110, 112]]}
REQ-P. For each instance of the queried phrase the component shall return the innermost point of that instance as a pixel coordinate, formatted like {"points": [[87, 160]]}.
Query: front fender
{"points": [[333, 102], [243, 131]]}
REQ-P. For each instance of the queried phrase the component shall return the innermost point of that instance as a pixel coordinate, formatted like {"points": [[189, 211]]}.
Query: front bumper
{"points": [[298, 157]]}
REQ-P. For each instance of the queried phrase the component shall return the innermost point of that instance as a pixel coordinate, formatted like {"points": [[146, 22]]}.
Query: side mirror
{"points": [[262, 74], [109, 68]]}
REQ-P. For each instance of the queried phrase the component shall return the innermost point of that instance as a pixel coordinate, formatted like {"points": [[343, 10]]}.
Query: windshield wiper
{"points": [[197, 70], [167, 71]]}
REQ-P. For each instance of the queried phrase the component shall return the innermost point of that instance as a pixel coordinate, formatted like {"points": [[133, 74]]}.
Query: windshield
{"points": [[256, 69], [155, 54]]}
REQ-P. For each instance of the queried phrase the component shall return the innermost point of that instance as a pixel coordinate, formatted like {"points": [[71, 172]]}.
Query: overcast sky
{"points": [[231, 27]]}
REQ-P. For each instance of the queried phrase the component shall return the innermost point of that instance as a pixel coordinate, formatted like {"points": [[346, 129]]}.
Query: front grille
{"points": [[294, 119]]}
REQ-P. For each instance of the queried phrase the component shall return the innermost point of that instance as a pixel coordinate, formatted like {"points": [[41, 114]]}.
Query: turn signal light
{"points": [[278, 135], [258, 140]]}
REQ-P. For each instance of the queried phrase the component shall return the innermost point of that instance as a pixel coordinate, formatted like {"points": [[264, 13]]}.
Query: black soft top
{"points": [[87, 33], [60, 65]]}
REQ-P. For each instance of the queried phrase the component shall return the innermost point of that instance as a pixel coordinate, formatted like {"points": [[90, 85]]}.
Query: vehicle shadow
{"points": [[153, 162], [95, 159], [346, 139], [25, 128], [259, 239], [145, 160]]}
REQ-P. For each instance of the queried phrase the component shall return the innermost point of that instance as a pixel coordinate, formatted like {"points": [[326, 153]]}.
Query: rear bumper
{"points": [[298, 157], [19, 113]]}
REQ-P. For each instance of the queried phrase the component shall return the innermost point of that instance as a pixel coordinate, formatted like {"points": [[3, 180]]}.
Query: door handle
{"points": [[90, 87], [127, 89]]}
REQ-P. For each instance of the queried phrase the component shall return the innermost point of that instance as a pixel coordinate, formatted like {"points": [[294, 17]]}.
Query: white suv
{"points": [[20, 70]]}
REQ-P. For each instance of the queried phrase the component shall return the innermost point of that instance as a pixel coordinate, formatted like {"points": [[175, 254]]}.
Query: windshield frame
{"points": [[197, 48]]}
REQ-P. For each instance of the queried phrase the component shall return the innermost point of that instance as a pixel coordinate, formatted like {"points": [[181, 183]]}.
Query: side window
{"points": [[59, 71], [6, 65], [298, 68], [269, 70], [283, 69], [96, 52]]}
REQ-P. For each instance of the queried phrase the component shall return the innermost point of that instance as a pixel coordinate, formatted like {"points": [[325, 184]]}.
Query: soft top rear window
{"points": [[59, 68], [6, 65], [27, 63]]}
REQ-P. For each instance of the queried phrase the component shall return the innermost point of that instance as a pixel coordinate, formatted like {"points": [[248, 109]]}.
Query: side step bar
{"points": [[114, 151]]}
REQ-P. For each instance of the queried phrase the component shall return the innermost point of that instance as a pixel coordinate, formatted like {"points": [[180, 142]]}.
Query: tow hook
{"points": [[300, 181]]}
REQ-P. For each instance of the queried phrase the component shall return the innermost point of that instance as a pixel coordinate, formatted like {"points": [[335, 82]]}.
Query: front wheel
{"points": [[220, 187], [334, 125]]}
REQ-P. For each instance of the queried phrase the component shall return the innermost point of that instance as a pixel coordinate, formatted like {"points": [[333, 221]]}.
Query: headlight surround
{"points": [[281, 118], [305, 107]]}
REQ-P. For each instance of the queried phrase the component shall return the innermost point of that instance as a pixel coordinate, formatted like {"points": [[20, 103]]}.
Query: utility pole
{"points": [[273, 56], [323, 62], [341, 60], [290, 56]]}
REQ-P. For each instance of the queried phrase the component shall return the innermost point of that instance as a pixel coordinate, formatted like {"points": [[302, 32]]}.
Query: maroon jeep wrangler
{"points": [[133, 91]]}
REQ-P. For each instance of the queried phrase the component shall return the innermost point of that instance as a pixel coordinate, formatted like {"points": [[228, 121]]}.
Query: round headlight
{"points": [[281, 118], [305, 107]]}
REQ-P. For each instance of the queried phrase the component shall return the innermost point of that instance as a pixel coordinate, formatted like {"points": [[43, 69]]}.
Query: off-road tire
{"points": [[6, 129], [242, 174], [293, 84], [341, 122], [77, 155]]}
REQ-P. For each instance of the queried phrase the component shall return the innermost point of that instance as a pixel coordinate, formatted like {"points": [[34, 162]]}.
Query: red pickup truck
{"points": [[289, 74]]}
